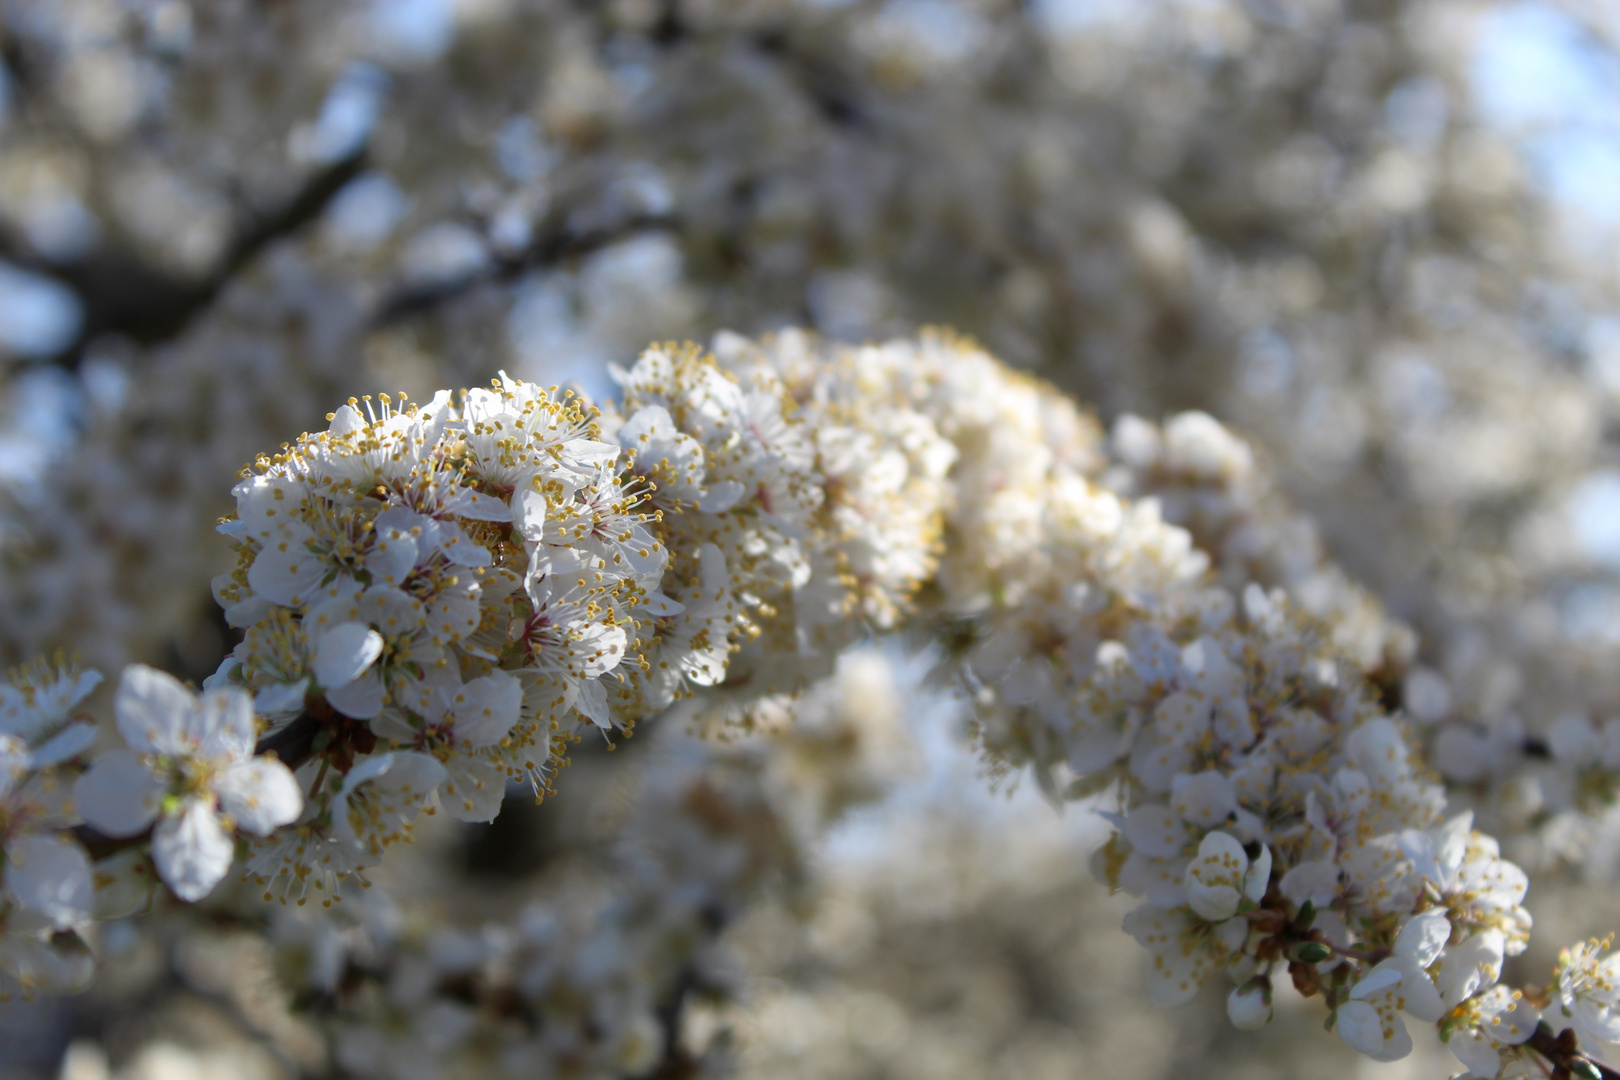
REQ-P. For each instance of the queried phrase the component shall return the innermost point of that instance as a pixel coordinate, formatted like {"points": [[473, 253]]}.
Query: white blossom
{"points": [[190, 770]]}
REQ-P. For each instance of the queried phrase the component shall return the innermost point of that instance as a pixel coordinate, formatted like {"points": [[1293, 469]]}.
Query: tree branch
{"points": [[123, 294], [559, 242]]}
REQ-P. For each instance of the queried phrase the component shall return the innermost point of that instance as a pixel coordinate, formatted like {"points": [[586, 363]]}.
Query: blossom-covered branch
{"points": [[438, 600]]}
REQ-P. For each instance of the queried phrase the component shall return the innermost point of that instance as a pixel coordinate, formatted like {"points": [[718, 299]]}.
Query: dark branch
{"points": [[560, 241], [1565, 1056], [123, 294]]}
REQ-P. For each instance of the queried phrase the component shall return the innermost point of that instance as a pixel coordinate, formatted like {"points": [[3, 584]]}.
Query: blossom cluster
{"points": [[437, 601], [591, 979]]}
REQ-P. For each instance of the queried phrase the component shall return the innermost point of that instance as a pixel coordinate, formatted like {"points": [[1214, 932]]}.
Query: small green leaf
{"points": [[1313, 952], [1307, 915]]}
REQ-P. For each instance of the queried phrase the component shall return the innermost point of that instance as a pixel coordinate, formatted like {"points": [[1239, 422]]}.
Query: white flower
{"points": [[1469, 966], [1588, 996], [457, 725], [1489, 1024], [382, 643], [1185, 949], [673, 462], [570, 635], [603, 520], [1370, 1021], [381, 797], [191, 768], [36, 705], [1220, 877], [50, 875], [1465, 871]]}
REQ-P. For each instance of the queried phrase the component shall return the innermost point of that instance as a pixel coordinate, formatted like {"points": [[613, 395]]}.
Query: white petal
{"points": [[1216, 903], [1258, 876], [473, 788], [1248, 1008], [222, 725], [118, 796], [286, 571], [1154, 829], [1316, 880], [1515, 1019], [1376, 981], [1418, 990], [124, 884], [1419, 847], [346, 420], [1424, 936], [1477, 1055], [260, 795], [1206, 799], [468, 503], [486, 708], [281, 698], [392, 557], [1360, 1026], [51, 876], [71, 741], [153, 708], [344, 653], [1595, 1022], [1470, 965], [592, 703], [192, 850], [361, 699], [721, 496], [655, 605], [529, 514]]}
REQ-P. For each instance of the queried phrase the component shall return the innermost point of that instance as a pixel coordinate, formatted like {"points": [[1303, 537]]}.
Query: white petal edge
{"points": [[260, 795], [118, 795], [192, 850]]}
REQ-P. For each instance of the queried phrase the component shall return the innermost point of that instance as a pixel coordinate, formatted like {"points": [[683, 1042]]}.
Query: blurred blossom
{"points": [[1418, 109], [365, 212], [519, 151], [634, 290], [416, 30], [443, 253], [61, 229], [39, 317], [346, 119], [41, 410], [1594, 512]]}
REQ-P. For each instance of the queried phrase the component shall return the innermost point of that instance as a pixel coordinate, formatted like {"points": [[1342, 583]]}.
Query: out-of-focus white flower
{"points": [[1221, 877], [36, 705], [1184, 949], [190, 768], [1488, 1026], [1588, 992], [1370, 1021]]}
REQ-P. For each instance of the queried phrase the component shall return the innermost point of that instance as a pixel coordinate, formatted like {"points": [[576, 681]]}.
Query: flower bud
{"points": [[1313, 952], [1249, 1006]]}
